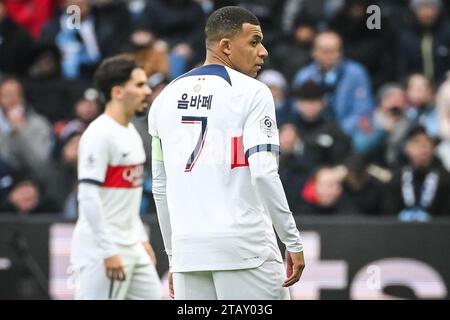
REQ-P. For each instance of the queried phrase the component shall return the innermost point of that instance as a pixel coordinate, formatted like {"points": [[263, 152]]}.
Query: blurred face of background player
{"points": [[134, 94], [327, 51], [245, 50]]}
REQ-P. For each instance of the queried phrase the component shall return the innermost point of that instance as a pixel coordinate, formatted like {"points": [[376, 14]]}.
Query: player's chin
{"points": [[141, 112], [256, 71]]}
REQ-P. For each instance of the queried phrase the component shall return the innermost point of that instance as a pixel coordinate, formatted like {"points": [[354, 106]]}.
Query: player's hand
{"points": [[171, 292], [114, 268], [295, 265], [148, 248]]}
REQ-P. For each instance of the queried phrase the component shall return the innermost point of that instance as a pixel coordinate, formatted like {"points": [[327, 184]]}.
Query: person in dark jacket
{"points": [[362, 188], [27, 197], [373, 48], [297, 46], [420, 189], [424, 46], [295, 167], [16, 45], [324, 141]]}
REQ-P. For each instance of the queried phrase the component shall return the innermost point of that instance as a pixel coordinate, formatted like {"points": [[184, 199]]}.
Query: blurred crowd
{"points": [[363, 111]]}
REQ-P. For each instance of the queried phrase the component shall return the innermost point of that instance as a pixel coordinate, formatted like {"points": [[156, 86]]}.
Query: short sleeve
{"points": [[260, 128], [93, 158]]}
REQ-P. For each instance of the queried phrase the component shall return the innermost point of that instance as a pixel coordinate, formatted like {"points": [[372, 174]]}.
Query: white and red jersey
{"points": [[112, 157], [209, 122]]}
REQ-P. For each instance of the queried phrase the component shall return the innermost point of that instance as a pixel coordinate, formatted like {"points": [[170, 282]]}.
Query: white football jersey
{"points": [[209, 121], [111, 156]]}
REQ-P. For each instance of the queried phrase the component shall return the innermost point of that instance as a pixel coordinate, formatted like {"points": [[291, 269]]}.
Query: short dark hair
{"points": [[417, 130], [226, 22], [112, 72], [310, 90]]}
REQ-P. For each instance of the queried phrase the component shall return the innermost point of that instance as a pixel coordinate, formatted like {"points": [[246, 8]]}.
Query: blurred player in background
{"points": [[111, 253], [215, 174]]}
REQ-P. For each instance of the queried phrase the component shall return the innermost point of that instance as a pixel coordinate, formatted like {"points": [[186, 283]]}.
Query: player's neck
{"points": [[117, 113], [213, 57]]}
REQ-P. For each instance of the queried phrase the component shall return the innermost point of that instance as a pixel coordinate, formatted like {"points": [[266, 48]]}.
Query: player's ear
{"points": [[116, 92], [225, 46]]}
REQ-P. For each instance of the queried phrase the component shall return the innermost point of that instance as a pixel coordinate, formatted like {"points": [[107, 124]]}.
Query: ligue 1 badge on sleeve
{"points": [[268, 126]]}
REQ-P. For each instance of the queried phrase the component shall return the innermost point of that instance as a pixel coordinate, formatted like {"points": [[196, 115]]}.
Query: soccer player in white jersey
{"points": [[215, 173], [111, 254]]}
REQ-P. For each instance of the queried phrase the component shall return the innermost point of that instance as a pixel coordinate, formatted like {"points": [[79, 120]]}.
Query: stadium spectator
{"points": [[269, 13], [323, 195], [15, 45], [420, 100], [364, 189], [297, 46], [180, 23], [324, 141], [62, 183], [27, 197], [424, 45], [386, 130], [320, 11], [373, 48], [349, 93], [278, 86], [83, 46], [31, 14], [25, 136], [420, 189], [150, 52], [295, 167], [46, 63]]}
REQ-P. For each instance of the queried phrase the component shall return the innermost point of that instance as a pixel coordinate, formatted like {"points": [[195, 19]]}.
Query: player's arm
{"points": [[159, 184], [159, 194], [92, 166], [265, 178], [261, 143], [162, 209]]}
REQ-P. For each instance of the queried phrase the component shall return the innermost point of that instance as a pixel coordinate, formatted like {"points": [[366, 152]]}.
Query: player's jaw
{"points": [[141, 108], [258, 67]]}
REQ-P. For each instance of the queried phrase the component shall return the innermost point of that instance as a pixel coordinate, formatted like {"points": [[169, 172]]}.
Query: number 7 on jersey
{"points": [[200, 142]]}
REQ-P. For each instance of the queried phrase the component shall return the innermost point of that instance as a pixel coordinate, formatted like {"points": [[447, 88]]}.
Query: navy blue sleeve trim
{"points": [[209, 70], [90, 181], [262, 147]]}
